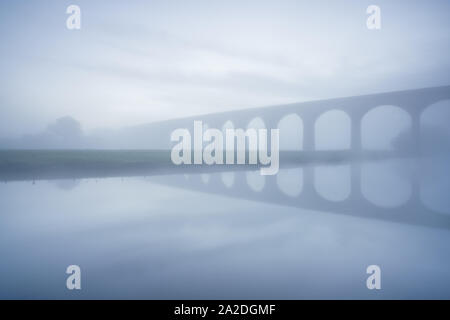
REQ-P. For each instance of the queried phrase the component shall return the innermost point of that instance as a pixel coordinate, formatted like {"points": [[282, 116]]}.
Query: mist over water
{"points": [[154, 238], [85, 176], [308, 232]]}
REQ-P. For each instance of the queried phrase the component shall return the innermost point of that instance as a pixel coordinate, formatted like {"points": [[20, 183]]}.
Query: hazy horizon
{"points": [[138, 62]]}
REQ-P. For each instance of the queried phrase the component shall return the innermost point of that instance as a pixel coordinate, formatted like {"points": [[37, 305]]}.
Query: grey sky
{"points": [[135, 62]]}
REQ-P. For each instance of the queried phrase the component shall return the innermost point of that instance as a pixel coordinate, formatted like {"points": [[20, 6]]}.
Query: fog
{"points": [[354, 188], [139, 62], [183, 237]]}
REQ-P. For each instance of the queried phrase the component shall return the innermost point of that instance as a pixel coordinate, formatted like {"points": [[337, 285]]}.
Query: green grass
{"points": [[48, 157], [22, 164], [62, 164]]}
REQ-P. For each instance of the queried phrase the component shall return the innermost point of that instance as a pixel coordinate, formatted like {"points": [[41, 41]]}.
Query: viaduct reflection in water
{"points": [[306, 188], [409, 141], [340, 144]]}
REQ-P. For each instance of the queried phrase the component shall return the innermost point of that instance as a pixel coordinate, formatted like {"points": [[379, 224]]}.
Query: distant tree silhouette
{"points": [[432, 139], [66, 127]]}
